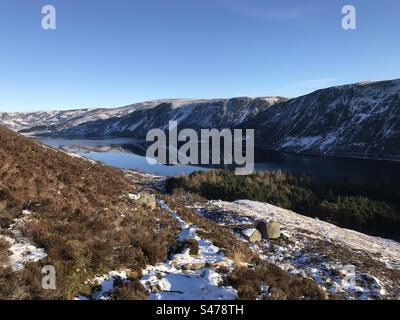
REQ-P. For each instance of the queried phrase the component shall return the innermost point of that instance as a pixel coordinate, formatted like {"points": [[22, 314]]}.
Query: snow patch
{"points": [[171, 281], [21, 249], [22, 252]]}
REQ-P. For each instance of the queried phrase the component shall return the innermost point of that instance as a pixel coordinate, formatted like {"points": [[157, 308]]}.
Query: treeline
{"points": [[371, 209]]}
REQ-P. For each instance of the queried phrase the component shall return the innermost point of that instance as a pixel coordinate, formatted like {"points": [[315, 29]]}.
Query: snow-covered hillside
{"points": [[49, 121], [317, 250], [137, 119], [359, 120]]}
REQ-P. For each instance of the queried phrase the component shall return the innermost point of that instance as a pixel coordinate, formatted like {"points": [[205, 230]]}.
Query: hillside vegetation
{"points": [[80, 214], [372, 209]]}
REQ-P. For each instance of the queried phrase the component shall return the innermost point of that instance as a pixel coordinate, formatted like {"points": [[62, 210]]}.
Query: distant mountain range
{"points": [[135, 120], [358, 120]]}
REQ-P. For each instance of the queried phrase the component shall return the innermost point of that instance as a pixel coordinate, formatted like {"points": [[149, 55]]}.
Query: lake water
{"points": [[130, 154]]}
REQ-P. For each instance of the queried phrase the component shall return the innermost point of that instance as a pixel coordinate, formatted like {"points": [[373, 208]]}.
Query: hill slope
{"points": [[360, 120], [76, 214]]}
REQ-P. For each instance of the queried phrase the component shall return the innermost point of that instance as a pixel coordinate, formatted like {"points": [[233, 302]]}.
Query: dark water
{"points": [[130, 154]]}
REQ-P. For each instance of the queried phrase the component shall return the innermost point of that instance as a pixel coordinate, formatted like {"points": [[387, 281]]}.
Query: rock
{"points": [[147, 200], [287, 236], [159, 276], [194, 266], [192, 245], [221, 264], [252, 235], [273, 229], [261, 226], [155, 288]]}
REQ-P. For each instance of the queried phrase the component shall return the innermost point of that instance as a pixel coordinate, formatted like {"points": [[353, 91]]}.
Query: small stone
{"points": [[252, 235], [193, 246], [194, 266], [288, 237], [273, 229], [220, 264], [155, 288]]}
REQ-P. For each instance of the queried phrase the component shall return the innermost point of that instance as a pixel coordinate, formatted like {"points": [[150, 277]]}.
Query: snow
{"points": [[105, 284], [133, 196], [202, 285], [305, 142], [249, 232], [22, 252], [390, 250], [130, 128], [170, 280], [298, 253], [21, 249], [329, 140]]}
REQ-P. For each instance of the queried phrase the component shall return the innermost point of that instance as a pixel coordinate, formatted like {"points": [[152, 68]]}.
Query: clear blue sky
{"points": [[108, 53]]}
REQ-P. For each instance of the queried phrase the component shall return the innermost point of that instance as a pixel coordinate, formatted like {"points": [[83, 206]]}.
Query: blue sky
{"points": [[111, 53]]}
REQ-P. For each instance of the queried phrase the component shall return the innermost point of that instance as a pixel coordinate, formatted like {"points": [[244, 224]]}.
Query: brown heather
{"points": [[82, 217]]}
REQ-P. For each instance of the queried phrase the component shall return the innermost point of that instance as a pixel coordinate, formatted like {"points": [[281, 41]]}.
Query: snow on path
{"points": [[170, 280], [105, 284]]}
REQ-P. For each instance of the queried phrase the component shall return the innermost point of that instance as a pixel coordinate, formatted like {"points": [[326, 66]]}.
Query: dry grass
{"points": [[82, 217], [130, 291], [4, 246], [248, 282], [238, 259]]}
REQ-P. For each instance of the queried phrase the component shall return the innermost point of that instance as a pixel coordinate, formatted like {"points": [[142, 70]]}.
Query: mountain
{"points": [[48, 121], [359, 120], [136, 120]]}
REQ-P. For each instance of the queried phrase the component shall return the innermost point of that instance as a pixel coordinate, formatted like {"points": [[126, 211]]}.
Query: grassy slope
{"points": [[82, 218]]}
